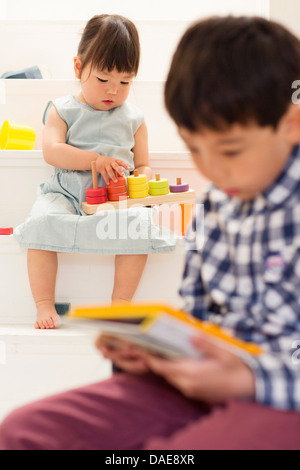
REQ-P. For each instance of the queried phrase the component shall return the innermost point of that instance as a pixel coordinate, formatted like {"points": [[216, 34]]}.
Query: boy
{"points": [[229, 92]]}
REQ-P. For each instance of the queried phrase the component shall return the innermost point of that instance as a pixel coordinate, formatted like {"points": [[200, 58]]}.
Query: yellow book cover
{"points": [[158, 328]]}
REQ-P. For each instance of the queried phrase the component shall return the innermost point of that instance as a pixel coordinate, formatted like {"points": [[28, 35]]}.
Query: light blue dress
{"points": [[57, 222]]}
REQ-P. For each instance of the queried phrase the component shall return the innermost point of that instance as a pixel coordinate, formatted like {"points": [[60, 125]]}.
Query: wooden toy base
{"points": [[171, 198]]}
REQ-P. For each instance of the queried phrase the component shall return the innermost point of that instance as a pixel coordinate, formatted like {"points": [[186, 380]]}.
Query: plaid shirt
{"points": [[243, 273]]}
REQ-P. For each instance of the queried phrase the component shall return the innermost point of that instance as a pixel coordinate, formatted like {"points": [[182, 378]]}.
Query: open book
{"points": [[158, 328]]}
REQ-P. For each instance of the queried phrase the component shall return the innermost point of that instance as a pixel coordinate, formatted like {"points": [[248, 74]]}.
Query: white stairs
{"points": [[37, 363]]}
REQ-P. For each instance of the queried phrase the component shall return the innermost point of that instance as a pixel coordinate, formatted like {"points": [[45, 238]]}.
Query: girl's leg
{"points": [[42, 270], [128, 273]]}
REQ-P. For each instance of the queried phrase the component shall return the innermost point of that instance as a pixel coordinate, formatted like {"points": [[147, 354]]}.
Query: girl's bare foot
{"points": [[47, 317]]}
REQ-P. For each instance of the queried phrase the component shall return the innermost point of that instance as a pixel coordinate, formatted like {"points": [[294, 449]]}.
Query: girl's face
{"points": [[100, 89]]}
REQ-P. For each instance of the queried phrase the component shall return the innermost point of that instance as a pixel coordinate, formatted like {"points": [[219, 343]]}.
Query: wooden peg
{"points": [[157, 177], [95, 195], [94, 174], [136, 173]]}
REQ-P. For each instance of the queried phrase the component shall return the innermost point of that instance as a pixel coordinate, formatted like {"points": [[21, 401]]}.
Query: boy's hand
{"points": [[219, 376], [109, 167], [124, 355]]}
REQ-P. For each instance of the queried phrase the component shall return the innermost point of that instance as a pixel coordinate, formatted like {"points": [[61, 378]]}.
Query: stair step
{"points": [[38, 363], [82, 279]]}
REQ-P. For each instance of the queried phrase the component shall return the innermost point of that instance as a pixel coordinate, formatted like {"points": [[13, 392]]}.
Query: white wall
{"points": [[135, 9], [53, 39], [287, 13]]}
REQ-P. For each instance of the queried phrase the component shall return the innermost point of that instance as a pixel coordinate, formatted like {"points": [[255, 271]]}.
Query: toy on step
{"points": [[95, 195], [179, 187], [137, 185], [159, 186], [17, 136], [117, 191], [6, 231], [138, 195]]}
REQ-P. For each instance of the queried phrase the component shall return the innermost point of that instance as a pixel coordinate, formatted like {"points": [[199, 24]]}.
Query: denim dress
{"points": [[57, 222]]}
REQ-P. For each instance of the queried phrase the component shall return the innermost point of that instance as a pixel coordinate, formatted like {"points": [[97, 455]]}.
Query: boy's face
{"points": [[242, 161], [100, 89]]}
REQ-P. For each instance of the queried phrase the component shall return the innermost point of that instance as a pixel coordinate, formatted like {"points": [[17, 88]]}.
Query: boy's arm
{"points": [[277, 372], [141, 152], [192, 291]]}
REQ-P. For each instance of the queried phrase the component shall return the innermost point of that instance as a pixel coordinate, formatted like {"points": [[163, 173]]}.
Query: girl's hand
{"points": [[219, 376], [109, 167], [127, 357]]}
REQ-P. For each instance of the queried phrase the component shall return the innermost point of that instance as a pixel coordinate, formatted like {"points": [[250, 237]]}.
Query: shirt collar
{"points": [[286, 183]]}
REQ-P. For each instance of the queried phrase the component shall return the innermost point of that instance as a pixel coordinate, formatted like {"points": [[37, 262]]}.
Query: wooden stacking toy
{"points": [[159, 186], [179, 187], [138, 195], [117, 191], [95, 195], [137, 185]]}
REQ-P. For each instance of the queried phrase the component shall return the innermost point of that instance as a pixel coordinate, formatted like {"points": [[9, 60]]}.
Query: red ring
{"points": [[96, 200]]}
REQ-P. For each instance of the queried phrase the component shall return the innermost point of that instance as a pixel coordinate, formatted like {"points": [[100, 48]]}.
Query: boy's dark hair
{"points": [[230, 70], [108, 42]]}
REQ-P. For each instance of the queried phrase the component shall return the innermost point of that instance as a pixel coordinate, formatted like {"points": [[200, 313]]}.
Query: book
{"points": [[158, 328]]}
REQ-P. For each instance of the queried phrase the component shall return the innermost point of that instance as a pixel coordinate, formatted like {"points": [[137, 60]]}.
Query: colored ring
{"points": [[138, 194], [118, 197], [121, 181], [179, 188], [96, 200], [138, 187], [159, 184], [99, 192], [134, 180], [117, 190], [159, 192]]}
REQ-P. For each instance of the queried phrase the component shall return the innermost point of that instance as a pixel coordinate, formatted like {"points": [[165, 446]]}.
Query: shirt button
{"points": [[224, 310]]}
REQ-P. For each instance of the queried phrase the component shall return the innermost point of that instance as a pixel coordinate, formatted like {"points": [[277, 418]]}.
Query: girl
{"points": [[95, 125]]}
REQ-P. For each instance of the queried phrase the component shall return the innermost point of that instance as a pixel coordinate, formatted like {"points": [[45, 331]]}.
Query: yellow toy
{"points": [[17, 136], [137, 185], [159, 186]]}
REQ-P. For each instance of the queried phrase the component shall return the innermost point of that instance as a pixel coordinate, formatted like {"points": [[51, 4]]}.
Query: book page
{"points": [[174, 333]]}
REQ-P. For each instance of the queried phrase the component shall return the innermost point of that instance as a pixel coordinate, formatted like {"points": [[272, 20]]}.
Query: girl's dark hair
{"points": [[230, 70], [108, 42]]}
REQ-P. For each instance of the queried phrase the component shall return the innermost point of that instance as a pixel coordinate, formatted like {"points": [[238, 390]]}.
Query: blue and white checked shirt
{"points": [[244, 274]]}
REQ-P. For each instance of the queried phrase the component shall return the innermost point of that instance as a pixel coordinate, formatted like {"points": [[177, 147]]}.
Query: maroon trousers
{"points": [[133, 413]]}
